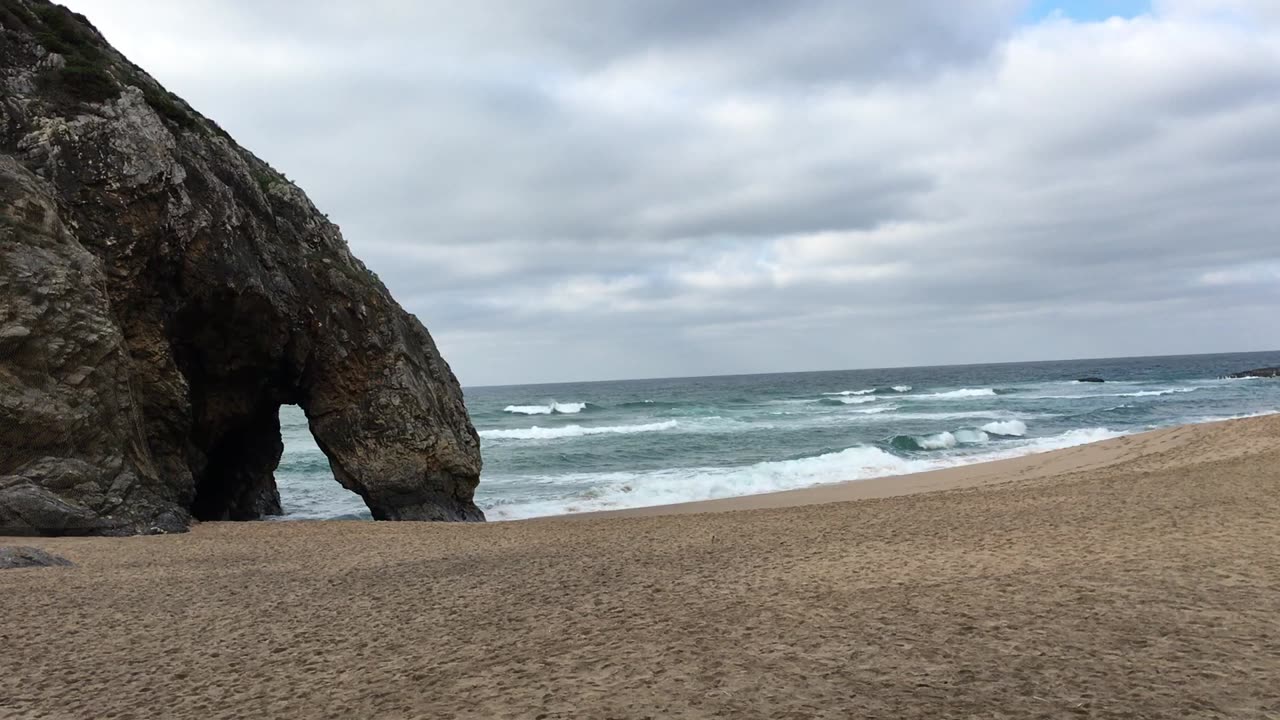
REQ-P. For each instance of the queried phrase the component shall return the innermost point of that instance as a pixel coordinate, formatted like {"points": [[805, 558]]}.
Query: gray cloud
{"points": [[574, 190]]}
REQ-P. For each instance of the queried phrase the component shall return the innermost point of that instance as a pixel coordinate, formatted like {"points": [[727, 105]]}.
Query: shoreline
{"points": [[1087, 456], [1130, 578]]}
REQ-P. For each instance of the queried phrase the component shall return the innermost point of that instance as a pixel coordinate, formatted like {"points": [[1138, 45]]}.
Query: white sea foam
{"points": [[1090, 396], [661, 487], [970, 437], [1153, 393], [1070, 438], [962, 393], [553, 407], [1006, 428], [570, 431], [1220, 418], [870, 391], [976, 415], [940, 441], [857, 399], [609, 491], [948, 440], [875, 410]]}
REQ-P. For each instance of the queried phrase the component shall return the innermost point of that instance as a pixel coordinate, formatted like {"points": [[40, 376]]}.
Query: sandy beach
{"points": [[1134, 578]]}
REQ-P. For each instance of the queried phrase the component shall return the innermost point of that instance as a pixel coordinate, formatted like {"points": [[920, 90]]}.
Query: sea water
{"points": [[576, 447]]}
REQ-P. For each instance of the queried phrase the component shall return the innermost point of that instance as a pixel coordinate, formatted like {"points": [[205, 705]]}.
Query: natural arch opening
{"points": [[304, 478], [381, 449]]}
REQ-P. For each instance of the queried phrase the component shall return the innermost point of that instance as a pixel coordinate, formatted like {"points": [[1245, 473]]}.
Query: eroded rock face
{"points": [[163, 292]]}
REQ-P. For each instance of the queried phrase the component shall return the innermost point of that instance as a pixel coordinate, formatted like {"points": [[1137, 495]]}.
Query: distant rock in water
{"points": [[1091, 379], [1269, 372], [163, 292], [29, 557]]}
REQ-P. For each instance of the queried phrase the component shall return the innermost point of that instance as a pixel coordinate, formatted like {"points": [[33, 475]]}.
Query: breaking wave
{"points": [[571, 431], [971, 437], [939, 441], [612, 491], [962, 393], [1155, 393], [976, 415], [873, 391], [557, 408], [1137, 393], [1007, 428], [847, 400], [661, 487]]}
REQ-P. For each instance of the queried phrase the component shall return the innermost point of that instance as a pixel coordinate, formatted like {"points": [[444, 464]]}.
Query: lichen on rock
{"points": [[162, 292]]}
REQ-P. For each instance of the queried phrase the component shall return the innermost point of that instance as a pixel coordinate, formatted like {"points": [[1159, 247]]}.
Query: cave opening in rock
{"points": [[307, 487], [241, 447], [228, 488]]}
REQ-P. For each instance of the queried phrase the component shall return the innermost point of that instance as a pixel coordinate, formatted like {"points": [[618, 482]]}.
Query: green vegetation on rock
{"points": [[87, 73], [84, 77], [166, 105]]}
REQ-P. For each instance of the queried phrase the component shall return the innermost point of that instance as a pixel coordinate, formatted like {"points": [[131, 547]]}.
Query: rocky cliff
{"points": [[163, 292]]}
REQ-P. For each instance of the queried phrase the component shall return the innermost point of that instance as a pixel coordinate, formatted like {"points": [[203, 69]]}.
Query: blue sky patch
{"points": [[1086, 10]]}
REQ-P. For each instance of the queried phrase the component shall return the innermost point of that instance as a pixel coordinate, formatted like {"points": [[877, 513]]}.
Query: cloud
{"points": [[571, 190]]}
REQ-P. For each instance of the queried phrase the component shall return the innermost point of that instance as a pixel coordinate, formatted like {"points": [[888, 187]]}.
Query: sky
{"points": [[569, 190]]}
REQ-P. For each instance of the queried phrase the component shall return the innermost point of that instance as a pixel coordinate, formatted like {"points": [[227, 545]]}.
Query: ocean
{"points": [[577, 447]]}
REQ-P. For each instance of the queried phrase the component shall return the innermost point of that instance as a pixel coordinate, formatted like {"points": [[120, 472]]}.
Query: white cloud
{"points": [[690, 188]]}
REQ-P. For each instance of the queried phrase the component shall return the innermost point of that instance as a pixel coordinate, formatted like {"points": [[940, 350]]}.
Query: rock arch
{"points": [[164, 292]]}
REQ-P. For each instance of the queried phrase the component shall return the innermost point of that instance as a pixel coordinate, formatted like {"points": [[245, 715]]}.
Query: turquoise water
{"points": [[556, 449]]}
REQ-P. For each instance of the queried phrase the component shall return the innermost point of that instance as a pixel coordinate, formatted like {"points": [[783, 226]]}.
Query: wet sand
{"points": [[1136, 578]]}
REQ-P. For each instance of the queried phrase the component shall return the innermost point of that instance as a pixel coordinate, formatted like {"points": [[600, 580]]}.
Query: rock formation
{"points": [[29, 557], [1090, 379], [1268, 372], [163, 292]]}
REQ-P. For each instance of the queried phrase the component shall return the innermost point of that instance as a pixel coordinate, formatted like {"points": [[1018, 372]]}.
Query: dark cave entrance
{"points": [[238, 481], [268, 466]]}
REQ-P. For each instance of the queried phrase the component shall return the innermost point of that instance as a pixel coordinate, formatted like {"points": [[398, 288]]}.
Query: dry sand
{"points": [[1136, 578]]}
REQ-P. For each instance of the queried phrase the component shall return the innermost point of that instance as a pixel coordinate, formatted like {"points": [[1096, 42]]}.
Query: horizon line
{"points": [[865, 369]]}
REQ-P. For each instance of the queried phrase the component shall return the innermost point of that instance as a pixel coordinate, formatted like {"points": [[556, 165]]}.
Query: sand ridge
{"points": [[1137, 578]]}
